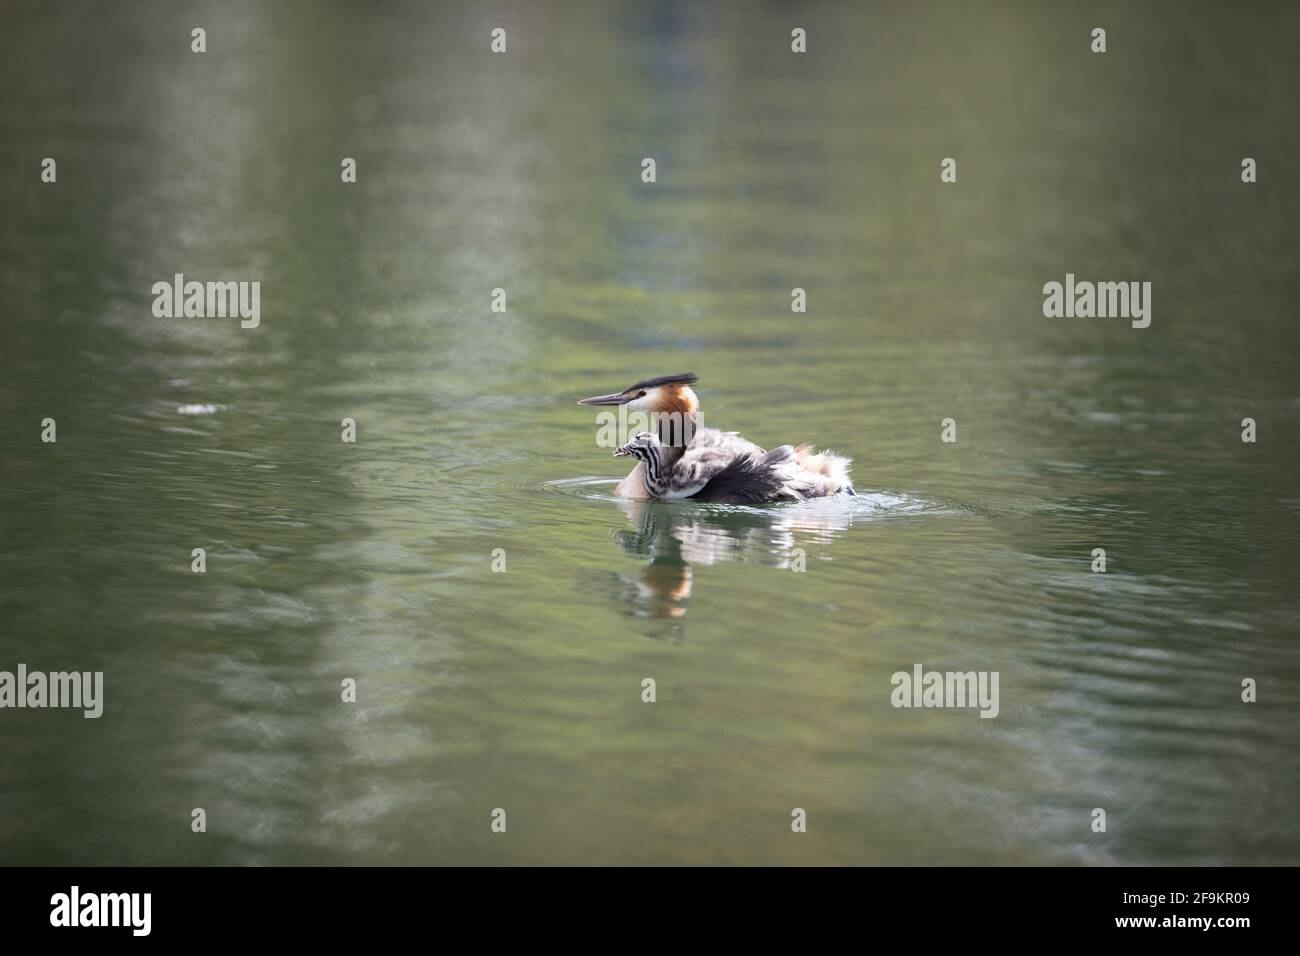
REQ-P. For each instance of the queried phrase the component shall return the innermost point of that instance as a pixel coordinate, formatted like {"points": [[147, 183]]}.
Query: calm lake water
{"points": [[522, 690]]}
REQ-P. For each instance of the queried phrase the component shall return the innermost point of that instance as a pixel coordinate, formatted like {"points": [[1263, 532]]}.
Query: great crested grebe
{"points": [[680, 460]]}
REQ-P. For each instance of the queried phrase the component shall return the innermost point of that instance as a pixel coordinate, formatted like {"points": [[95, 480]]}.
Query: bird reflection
{"points": [[676, 535]]}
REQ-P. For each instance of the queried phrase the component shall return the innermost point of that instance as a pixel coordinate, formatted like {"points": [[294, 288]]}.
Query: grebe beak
{"points": [[618, 398]]}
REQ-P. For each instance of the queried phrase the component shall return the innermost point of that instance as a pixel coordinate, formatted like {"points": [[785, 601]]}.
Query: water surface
{"points": [[522, 690]]}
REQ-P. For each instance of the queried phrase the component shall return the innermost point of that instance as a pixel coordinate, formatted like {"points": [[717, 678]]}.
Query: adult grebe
{"points": [[681, 460]]}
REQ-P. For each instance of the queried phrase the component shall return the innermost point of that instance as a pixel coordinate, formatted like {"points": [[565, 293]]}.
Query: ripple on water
{"points": [[863, 505]]}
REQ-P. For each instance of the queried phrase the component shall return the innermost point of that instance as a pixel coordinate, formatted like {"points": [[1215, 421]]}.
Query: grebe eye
{"points": [[640, 394]]}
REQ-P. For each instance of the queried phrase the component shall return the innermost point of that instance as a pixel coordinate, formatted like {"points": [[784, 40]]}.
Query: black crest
{"points": [[683, 378]]}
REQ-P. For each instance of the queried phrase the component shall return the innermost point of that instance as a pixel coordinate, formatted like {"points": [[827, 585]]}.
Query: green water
{"points": [[522, 690]]}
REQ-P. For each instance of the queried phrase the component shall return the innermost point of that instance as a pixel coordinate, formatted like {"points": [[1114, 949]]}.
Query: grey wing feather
{"points": [[752, 479], [709, 453], [723, 466]]}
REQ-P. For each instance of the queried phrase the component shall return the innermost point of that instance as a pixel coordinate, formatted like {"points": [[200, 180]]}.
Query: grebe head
{"points": [[642, 445], [665, 394]]}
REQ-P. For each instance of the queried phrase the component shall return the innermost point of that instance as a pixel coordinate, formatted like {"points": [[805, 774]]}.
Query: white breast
{"points": [[684, 492], [633, 486]]}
